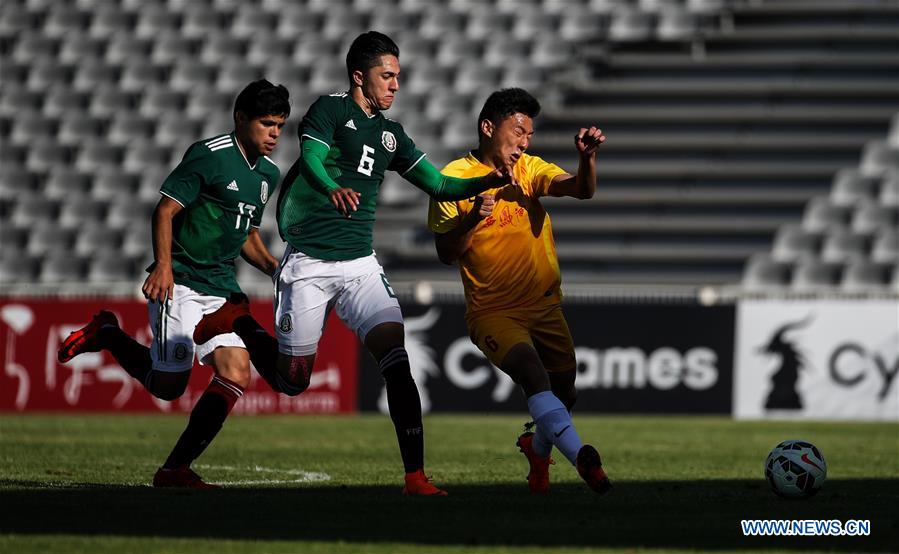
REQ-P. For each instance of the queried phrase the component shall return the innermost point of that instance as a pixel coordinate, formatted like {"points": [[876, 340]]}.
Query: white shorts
{"points": [[173, 324], [308, 288]]}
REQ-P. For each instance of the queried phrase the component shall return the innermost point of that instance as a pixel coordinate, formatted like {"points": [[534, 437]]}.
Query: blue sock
{"points": [[554, 426]]}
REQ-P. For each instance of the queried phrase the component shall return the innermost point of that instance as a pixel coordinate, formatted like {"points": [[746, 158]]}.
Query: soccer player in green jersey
{"points": [[209, 213], [326, 211]]}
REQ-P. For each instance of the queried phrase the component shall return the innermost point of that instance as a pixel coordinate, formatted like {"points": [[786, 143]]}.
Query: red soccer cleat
{"points": [[589, 466], [221, 321], [538, 476], [85, 339], [418, 484], [181, 477]]}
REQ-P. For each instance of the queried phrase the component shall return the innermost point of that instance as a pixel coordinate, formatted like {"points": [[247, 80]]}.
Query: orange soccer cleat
{"points": [[589, 466], [85, 339], [182, 477], [538, 476], [419, 484], [221, 321]]}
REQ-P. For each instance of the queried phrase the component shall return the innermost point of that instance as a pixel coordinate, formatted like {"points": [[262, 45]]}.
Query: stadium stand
{"points": [[750, 141]]}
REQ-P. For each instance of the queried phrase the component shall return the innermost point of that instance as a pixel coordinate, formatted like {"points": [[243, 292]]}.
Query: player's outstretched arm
{"points": [[256, 253], [312, 164], [160, 284], [583, 184], [441, 187], [452, 244]]}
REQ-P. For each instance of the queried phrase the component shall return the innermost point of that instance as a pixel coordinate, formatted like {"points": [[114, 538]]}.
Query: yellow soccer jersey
{"points": [[512, 259]]}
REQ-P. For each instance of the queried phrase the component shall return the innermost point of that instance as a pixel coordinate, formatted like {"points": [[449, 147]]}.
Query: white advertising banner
{"points": [[817, 359]]}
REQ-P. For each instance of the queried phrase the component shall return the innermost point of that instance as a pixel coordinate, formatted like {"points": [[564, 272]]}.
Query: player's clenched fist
{"points": [[588, 140], [484, 203]]}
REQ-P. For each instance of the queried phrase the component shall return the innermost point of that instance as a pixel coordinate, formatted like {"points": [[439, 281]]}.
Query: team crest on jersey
{"points": [[285, 324], [389, 141], [263, 191], [180, 351]]}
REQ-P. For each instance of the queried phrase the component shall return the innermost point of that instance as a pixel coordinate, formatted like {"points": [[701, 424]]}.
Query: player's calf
{"points": [[166, 385]]}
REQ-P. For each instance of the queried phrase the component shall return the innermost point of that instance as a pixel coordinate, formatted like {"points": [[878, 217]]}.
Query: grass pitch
{"points": [[332, 484]]}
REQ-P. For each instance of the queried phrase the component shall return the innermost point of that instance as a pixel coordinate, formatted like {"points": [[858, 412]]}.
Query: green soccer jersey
{"points": [[361, 149], [223, 196]]}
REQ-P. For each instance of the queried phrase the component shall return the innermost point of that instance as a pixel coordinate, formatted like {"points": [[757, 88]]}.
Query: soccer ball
{"points": [[795, 469]]}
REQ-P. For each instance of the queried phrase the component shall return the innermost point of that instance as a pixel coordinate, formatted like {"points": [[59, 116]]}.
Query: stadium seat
{"points": [[27, 131], [175, 131], [44, 155], [107, 19], [630, 25], [235, 77], [65, 20], [439, 22], [893, 135], [200, 22], [484, 23], [249, 22], [139, 75], [343, 24], [885, 246], [33, 47], [477, 80], [109, 266], [222, 47], [310, 51], [850, 187], [46, 73], [157, 102], [865, 276], [45, 236], [123, 48], [192, 77], [296, 24], [391, 23], [97, 155], [877, 158], [15, 239], [77, 128], [578, 26], [842, 245], [15, 267], [457, 51], [871, 217], [792, 243], [124, 211], [112, 182], [109, 101], [327, 79], [815, 275], [96, 76], [675, 24], [137, 241], [500, 53], [63, 182], [62, 101], [889, 189], [550, 53], [141, 155], [523, 75], [59, 268], [763, 274], [78, 211], [170, 47], [152, 20], [74, 49], [94, 237], [211, 103], [820, 215]]}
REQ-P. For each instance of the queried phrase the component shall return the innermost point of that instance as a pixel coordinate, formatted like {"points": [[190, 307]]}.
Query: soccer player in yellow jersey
{"points": [[502, 240]]}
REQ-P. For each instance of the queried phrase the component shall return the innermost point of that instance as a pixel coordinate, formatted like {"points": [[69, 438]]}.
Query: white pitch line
{"points": [[303, 476]]}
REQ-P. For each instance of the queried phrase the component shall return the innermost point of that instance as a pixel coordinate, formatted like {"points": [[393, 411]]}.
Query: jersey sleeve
{"points": [[196, 169], [320, 121], [407, 154], [541, 174], [443, 216]]}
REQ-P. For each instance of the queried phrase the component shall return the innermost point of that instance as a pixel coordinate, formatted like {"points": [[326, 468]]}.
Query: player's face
{"points": [[260, 134], [381, 82], [510, 139]]}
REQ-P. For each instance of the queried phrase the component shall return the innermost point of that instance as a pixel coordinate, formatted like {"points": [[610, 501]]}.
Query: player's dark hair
{"points": [[505, 102], [366, 52], [261, 98]]}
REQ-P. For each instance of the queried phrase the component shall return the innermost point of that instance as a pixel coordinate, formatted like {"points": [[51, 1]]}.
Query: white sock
{"points": [[554, 426]]}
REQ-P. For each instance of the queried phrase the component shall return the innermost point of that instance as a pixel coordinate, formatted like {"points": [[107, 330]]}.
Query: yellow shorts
{"points": [[544, 328]]}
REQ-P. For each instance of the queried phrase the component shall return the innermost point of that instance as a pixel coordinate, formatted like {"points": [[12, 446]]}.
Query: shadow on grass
{"points": [[660, 514]]}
